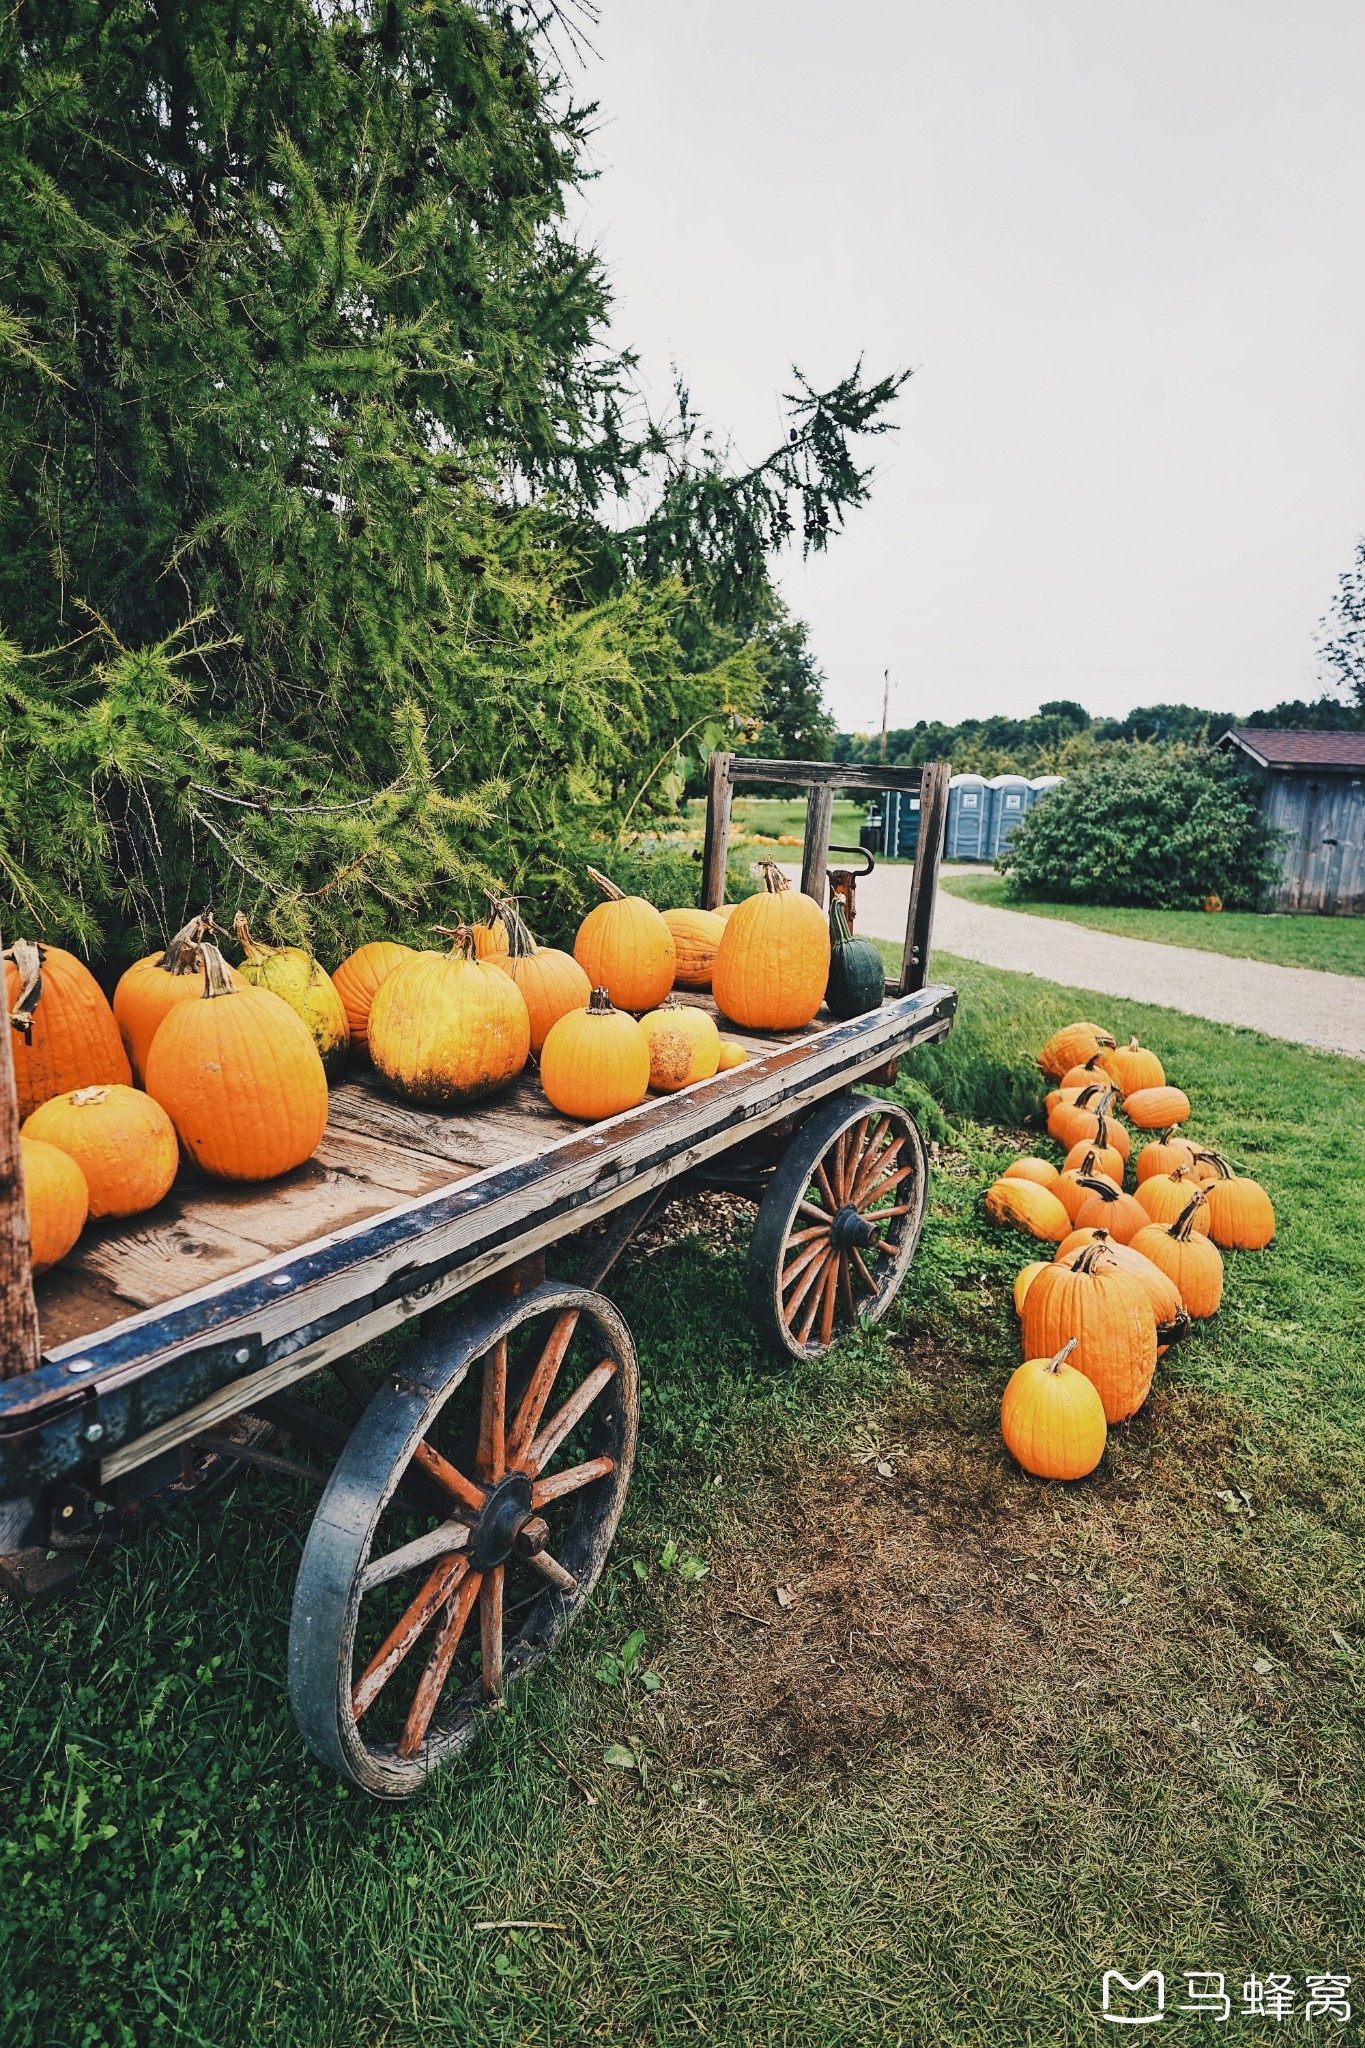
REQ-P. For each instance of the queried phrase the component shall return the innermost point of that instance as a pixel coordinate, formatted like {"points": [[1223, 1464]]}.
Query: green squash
{"points": [[857, 979], [296, 977]]}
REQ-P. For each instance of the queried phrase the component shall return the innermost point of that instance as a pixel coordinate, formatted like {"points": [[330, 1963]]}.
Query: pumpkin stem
{"points": [[245, 940], [521, 942], [1133, 1045], [1056, 1364], [774, 881], [840, 931], [1222, 1166], [461, 938], [82, 1098], [599, 1003], [1091, 1257], [28, 961], [1184, 1222], [182, 953], [606, 885], [216, 982], [1103, 1188]]}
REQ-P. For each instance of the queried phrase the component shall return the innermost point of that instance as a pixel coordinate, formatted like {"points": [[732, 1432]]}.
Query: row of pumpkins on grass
{"points": [[232, 1064], [1131, 1271]]}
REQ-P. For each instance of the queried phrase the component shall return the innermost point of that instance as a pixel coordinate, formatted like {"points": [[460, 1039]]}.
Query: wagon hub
{"points": [[849, 1229], [506, 1514]]}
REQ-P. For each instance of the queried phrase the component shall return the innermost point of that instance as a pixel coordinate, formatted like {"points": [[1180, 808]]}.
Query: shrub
{"points": [[1158, 827]]}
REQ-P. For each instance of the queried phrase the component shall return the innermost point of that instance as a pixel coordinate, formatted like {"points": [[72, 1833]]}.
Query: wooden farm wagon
{"points": [[469, 1496]]}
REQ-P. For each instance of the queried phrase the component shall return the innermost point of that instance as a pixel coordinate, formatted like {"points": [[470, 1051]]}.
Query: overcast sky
{"points": [[1120, 248]]}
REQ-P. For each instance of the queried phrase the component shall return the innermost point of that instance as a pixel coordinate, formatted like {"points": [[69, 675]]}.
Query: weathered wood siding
{"points": [[1323, 852]]}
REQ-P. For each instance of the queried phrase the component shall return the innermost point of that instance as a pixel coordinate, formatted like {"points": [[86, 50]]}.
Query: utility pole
{"points": [[886, 699]]}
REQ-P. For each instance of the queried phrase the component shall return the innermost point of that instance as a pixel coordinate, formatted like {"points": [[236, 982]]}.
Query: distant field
{"points": [[774, 816], [1334, 944]]}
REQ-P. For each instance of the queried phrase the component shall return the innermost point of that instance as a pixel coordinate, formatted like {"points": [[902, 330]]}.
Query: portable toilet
{"points": [[1009, 795], [966, 817], [901, 834], [1040, 786]]}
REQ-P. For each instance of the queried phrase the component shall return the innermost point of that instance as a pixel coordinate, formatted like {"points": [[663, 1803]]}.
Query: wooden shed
{"points": [[1312, 791]]}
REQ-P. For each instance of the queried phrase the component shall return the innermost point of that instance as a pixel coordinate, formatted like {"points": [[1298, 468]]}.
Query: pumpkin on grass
{"points": [[55, 1198], [1164, 1195], [1086, 1075], [153, 984], [1040, 1170], [63, 1031], [624, 946], [551, 982], [595, 1062], [1132, 1067], [446, 1028], [1172, 1317], [1026, 1206], [684, 1045], [358, 981], [1072, 1123], [241, 1078], [1106, 1207], [123, 1142], [772, 963], [696, 935], [1163, 1155], [292, 973], [1052, 1418], [1104, 1150], [1240, 1212], [1072, 1047], [1192, 1260], [1024, 1279], [1110, 1314], [857, 978], [1067, 1186], [1152, 1109]]}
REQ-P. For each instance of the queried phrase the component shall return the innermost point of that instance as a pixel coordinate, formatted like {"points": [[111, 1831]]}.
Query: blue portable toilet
{"points": [[1009, 796], [1040, 786], [901, 835], [967, 799]]}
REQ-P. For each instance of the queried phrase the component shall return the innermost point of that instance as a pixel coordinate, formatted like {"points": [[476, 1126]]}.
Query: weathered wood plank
{"points": [[919, 923], [718, 799], [18, 1316], [837, 774], [815, 852]]}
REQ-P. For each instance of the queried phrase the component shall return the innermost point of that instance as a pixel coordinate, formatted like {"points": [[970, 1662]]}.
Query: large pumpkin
{"points": [[1172, 1318], [152, 985], [55, 1198], [684, 1045], [1068, 1186], [240, 1077], [1192, 1261], [123, 1142], [1240, 1212], [359, 979], [624, 946], [696, 935], [595, 1062], [1028, 1168], [1052, 1418], [772, 964], [1131, 1067], [1110, 1314], [857, 978], [446, 1028], [552, 983], [64, 1035], [1072, 1047], [292, 973]]}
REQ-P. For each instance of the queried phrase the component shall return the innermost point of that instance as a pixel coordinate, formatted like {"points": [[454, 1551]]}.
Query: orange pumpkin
{"points": [[1106, 1207], [1109, 1313], [1191, 1260], [55, 1198], [492, 941], [447, 1028], [1164, 1195], [1087, 1074], [1026, 1206], [1240, 1212], [1023, 1280], [684, 1046], [240, 1077], [1163, 1155], [772, 963], [1072, 1047], [149, 988], [1105, 1154], [1085, 1163], [595, 1062], [64, 1034], [1052, 1418], [696, 936], [625, 947], [1132, 1067], [358, 981], [123, 1142], [1152, 1109], [1172, 1319], [552, 983], [1040, 1170], [732, 1054], [1072, 1121]]}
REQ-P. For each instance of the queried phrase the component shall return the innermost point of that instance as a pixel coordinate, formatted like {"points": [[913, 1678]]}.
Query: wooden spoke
{"points": [[825, 1188], [867, 1279], [490, 1633], [441, 1469], [570, 1480], [802, 1262], [884, 1187], [872, 1166], [527, 1419], [805, 1208], [846, 1288], [804, 1236], [809, 1279], [869, 1151], [558, 1427], [888, 1215], [841, 1164], [827, 1302], [493, 1415], [442, 1583], [551, 1569], [442, 1542], [803, 1328], [432, 1682]]}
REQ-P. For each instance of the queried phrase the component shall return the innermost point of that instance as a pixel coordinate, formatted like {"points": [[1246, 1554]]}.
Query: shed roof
{"points": [[1272, 749]]}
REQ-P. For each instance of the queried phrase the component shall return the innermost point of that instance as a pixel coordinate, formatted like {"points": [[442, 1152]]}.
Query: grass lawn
{"points": [[1335, 944], [1004, 1736], [774, 816]]}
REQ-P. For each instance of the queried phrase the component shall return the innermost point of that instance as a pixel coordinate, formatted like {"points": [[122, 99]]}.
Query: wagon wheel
{"points": [[463, 1527], [838, 1226]]}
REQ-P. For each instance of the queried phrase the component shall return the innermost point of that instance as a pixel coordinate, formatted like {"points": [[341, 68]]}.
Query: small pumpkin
{"points": [[1026, 1206], [1085, 1163], [696, 935], [447, 1028], [1071, 1047], [123, 1142], [1086, 1075], [1172, 1317], [624, 946], [1132, 1067], [292, 973], [1164, 1195], [1052, 1418], [1040, 1170], [149, 988], [857, 978], [772, 963], [1024, 1279], [64, 1033], [1152, 1109], [1072, 1122], [1107, 1207], [684, 1045], [595, 1062], [1110, 1314], [1163, 1155], [240, 1076], [358, 981], [55, 1198], [493, 940], [1102, 1149], [551, 982], [1190, 1258], [1240, 1212], [732, 1054]]}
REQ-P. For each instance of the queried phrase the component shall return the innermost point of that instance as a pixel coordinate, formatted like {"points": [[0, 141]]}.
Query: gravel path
{"points": [[1298, 1003]]}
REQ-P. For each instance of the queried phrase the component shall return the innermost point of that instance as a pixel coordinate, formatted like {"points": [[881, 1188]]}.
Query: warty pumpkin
{"points": [[1191, 1259], [551, 982], [1132, 1067], [447, 1028], [358, 981], [292, 973], [1163, 1155], [1106, 1207], [1164, 1195], [624, 946], [772, 963], [1152, 1109], [1026, 1206], [1071, 1047], [1029, 1168], [1110, 1314], [857, 978], [152, 985], [1052, 1418], [240, 1077], [63, 1033], [696, 935], [1172, 1318], [123, 1142], [684, 1045], [55, 1199], [595, 1062], [1240, 1212]]}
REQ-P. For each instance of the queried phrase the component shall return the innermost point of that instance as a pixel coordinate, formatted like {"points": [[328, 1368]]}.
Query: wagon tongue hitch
{"points": [[506, 1524], [848, 1229]]}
